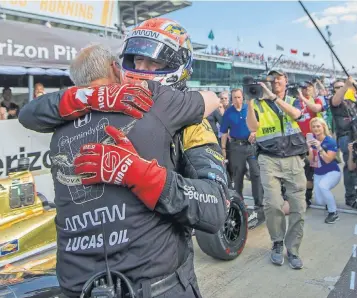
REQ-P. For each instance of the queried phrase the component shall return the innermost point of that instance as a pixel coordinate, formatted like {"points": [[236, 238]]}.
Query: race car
{"points": [[27, 237], [26, 217]]}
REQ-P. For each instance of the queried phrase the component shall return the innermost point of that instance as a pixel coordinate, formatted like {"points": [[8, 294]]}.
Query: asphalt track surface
{"points": [[328, 252], [328, 262], [330, 265]]}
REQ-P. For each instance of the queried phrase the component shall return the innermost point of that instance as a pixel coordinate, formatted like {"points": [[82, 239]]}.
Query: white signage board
{"points": [[98, 13], [17, 142]]}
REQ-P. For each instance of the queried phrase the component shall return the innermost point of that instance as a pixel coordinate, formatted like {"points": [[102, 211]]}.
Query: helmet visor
{"points": [[156, 50]]}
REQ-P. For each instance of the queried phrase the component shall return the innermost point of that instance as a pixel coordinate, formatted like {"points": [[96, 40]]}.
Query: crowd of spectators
{"points": [[9, 109], [254, 58], [321, 119]]}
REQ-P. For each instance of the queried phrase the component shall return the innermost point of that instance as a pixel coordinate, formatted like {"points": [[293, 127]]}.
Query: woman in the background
{"points": [[327, 174]]}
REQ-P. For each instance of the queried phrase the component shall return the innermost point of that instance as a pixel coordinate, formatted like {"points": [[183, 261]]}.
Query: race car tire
{"points": [[229, 242]]}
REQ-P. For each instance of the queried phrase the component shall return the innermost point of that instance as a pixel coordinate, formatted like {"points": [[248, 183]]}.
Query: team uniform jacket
{"points": [[142, 244]]}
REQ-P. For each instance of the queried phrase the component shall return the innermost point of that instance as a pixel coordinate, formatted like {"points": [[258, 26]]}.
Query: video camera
{"points": [[293, 89], [251, 87], [314, 79]]}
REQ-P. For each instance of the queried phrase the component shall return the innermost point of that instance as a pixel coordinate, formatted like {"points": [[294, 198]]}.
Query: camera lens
{"points": [[253, 90]]}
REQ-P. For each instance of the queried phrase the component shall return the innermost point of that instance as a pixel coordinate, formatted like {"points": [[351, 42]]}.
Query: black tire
{"points": [[229, 242]]}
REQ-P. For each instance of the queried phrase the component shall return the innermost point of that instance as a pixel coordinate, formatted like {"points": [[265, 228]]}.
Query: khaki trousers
{"points": [[290, 170]]}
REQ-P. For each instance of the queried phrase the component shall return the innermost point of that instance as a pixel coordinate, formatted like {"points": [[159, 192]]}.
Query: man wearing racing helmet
{"points": [[155, 249], [156, 50]]}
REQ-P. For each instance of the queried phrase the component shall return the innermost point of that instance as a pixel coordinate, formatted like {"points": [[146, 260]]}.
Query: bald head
{"points": [[93, 63]]}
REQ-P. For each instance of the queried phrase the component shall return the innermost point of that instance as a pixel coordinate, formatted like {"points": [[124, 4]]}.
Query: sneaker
{"points": [[352, 203], [276, 255], [295, 262], [258, 206], [331, 218]]}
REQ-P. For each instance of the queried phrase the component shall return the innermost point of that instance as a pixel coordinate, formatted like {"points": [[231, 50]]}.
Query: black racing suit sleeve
{"points": [[177, 109], [200, 200], [218, 116], [42, 114]]}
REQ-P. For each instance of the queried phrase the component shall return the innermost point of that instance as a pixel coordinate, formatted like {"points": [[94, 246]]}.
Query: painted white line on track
{"points": [[352, 282], [354, 250], [355, 229]]}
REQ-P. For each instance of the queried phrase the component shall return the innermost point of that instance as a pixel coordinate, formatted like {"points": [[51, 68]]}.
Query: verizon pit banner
{"points": [[31, 45]]}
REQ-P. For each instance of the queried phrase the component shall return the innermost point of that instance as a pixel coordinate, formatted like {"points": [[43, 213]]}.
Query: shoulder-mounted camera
{"points": [[251, 87]]}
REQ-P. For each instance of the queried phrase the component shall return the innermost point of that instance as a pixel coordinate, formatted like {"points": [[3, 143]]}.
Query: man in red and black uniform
{"points": [[310, 107]]}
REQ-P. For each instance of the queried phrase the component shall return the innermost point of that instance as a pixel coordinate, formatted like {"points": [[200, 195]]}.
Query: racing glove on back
{"points": [[129, 99], [120, 164]]}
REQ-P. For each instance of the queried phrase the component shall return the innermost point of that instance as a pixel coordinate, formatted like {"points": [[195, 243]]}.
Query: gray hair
{"points": [[222, 93], [92, 63]]}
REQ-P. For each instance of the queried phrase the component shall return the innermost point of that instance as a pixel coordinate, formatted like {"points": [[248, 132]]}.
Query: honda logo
{"points": [[82, 121]]}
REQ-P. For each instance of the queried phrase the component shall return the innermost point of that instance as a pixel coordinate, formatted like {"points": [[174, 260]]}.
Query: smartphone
{"points": [[309, 137]]}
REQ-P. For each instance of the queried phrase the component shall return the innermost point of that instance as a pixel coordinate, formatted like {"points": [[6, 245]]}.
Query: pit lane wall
{"points": [[17, 142]]}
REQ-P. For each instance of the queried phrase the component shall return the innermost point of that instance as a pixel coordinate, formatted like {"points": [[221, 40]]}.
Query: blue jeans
{"points": [[349, 178]]}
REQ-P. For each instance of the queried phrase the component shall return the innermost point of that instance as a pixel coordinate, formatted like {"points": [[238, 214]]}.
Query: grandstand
{"points": [[215, 69], [133, 12]]}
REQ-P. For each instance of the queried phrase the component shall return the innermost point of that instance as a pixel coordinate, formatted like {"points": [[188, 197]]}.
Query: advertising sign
{"points": [[30, 45], [99, 13]]}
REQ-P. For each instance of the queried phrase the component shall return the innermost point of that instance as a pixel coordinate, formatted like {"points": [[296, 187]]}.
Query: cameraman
{"points": [[344, 109], [352, 156], [281, 149]]}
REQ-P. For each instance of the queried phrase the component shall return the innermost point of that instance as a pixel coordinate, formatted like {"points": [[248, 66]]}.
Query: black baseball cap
{"points": [[306, 84]]}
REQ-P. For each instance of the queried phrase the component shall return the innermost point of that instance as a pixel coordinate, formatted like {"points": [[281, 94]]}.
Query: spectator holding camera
{"points": [[327, 174], [282, 149], [310, 107], [344, 109]]}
